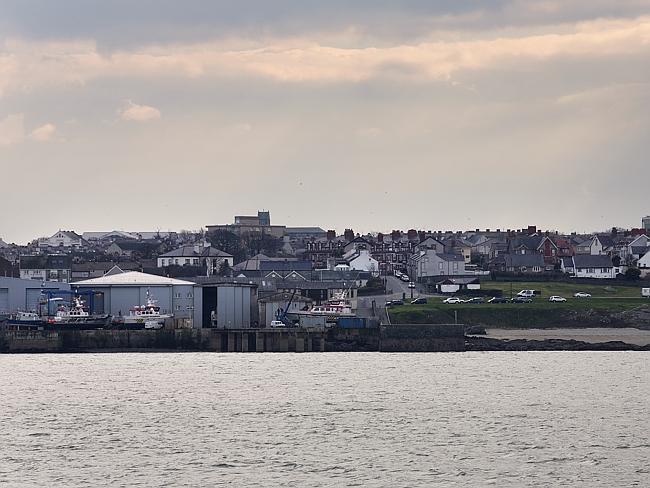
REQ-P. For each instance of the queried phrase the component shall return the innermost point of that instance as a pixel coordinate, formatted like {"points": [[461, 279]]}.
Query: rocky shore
{"points": [[489, 344]]}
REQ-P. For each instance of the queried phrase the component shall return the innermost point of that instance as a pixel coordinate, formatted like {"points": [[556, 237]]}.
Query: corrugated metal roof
{"points": [[132, 278]]}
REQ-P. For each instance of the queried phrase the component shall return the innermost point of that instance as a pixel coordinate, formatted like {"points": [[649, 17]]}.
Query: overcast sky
{"points": [[455, 114]]}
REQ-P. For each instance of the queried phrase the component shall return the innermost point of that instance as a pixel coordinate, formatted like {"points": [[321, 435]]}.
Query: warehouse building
{"points": [[227, 305], [123, 290], [24, 295]]}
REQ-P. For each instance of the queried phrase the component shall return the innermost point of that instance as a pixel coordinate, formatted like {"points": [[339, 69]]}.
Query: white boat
{"points": [[76, 316], [147, 315], [338, 306]]}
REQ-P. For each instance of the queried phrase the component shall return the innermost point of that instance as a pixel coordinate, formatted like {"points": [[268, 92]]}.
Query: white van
{"points": [[526, 293], [645, 292]]}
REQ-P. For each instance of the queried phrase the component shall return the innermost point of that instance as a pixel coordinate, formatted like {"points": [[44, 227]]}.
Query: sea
{"points": [[538, 419]]}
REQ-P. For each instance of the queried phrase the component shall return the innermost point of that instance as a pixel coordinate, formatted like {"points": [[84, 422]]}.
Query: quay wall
{"points": [[411, 338]]}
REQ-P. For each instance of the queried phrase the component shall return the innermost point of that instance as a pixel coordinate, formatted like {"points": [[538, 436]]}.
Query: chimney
{"points": [[349, 235], [532, 229], [331, 235], [380, 237]]}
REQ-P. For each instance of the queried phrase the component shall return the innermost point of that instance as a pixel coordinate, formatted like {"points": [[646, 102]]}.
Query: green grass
{"points": [[541, 313], [564, 289]]}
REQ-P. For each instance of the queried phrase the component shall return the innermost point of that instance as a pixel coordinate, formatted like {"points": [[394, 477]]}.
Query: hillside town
{"points": [[268, 270]]}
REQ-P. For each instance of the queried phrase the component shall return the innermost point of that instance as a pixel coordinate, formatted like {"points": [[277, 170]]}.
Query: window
{"points": [[178, 307], [177, 295], [162, 262], [175, 261], [195, 261], [189, 294], [187, 260]]}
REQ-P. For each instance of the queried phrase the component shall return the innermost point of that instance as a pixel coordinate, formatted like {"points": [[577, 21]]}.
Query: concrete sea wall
{"points": [[416, 338]]}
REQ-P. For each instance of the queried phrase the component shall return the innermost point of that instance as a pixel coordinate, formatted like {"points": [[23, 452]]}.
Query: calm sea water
{"points": [[348, 419]]}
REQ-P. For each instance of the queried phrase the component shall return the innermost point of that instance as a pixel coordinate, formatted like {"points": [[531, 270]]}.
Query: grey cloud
{"points": [[121, 23]]}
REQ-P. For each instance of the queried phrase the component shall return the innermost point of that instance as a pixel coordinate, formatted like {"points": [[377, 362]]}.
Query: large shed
{"points": [[124, 290]]}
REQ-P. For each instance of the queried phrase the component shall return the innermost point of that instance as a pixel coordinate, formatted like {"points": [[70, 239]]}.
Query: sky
{"points": [[371, 115]]}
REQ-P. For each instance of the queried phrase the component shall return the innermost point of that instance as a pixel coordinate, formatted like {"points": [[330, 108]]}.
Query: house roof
{"points": [[567, 262], [450, 257], [285, 265], [137, 245], [132, 278], [589, 261], [191, 252], [523, 260], [606, 240], [459, 281]]}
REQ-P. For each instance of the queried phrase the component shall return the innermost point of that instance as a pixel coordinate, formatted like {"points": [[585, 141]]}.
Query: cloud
{"points": [[139, 113], [44, 133], [12, 130], [29, 65]]}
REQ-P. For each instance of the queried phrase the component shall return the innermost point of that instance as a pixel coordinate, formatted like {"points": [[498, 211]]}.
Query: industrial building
{"points": [[24, 295], [123, 290], [227, 306]]}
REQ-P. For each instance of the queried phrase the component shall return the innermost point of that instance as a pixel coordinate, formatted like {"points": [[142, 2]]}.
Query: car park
{"points": [[556, 298], [452, 300], [475, 300], [419, 301], [582, 294], [498, 300]]}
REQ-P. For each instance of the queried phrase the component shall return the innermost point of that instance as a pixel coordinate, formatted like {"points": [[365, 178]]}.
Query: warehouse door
{"points": [[4, 300], [32, 298]]}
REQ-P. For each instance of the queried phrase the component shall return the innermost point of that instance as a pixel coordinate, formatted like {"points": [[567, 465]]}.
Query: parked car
{"points": [[411, 284], [556, 298], [277, 323], [498, 300], [452, 300], [522, 300], [475, 300], [419, 301], [582, 294], [526, 293], [645, 292], [395, 303], [404, 278]]}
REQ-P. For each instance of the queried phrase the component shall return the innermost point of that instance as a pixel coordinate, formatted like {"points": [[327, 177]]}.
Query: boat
{"points": [[335, 308], [145, 316], [25, 320], [76, 317]]}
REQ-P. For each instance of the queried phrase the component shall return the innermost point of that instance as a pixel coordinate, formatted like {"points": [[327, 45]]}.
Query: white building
{"points": [[63, 239], [593, 266], [361, 260], [644, 264], [196, 255]]}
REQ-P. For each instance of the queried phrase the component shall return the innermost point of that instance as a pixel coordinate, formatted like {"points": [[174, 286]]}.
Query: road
{"points": [[396, 289]]}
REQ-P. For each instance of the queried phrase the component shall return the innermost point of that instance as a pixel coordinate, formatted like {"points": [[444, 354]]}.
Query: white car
{"points": [[582, 294], [411, 284], [452, 300], [556, 298], [277, 323]]}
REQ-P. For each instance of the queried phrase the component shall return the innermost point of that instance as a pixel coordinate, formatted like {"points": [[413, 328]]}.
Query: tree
{"points": [[224, 268], [228, 242], [633, 274]]}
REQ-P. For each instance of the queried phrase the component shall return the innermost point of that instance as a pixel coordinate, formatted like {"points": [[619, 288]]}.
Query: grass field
{"points": [[564, 289], [597, 310]]}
